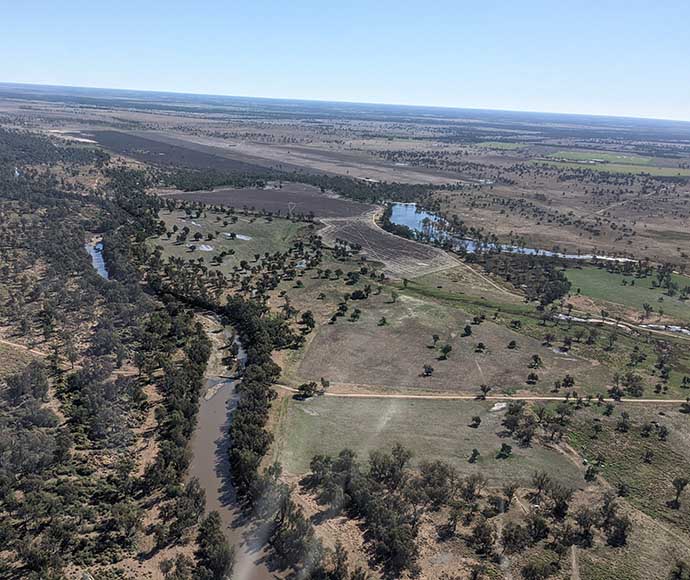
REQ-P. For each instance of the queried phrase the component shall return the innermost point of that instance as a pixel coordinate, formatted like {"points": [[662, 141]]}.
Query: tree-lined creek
{"points": [[210, 443], [210, 462]]}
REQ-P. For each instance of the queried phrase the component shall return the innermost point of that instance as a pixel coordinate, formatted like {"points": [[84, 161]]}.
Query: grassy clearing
{"points": [[603, 156], [463, 281], [432, 429], [604, 362], [619, 168], [260, 235], [602, 285], [623, 456]]}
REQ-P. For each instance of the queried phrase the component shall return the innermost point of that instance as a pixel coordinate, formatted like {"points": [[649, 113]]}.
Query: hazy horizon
{"points": [[330, 101]]}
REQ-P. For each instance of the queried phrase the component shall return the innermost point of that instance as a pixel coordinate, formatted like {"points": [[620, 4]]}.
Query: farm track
{"points": [[442, 397], [24, 347]]}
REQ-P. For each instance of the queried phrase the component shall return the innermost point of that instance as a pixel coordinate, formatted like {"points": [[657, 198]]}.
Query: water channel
{"points": [[95, 250]]}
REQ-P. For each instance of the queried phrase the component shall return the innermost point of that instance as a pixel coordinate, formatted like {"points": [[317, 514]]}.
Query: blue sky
{"points": [[605, 57]]}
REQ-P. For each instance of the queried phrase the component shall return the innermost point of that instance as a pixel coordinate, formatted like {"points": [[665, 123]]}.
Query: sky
{"points": [[608, 57]]}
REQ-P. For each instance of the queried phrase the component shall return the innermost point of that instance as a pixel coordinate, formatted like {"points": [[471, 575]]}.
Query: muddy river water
{"points": [[211, 466]]}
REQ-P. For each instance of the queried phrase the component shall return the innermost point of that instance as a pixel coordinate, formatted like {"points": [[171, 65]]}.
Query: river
{"points": [[210, 463], [432, 227]]}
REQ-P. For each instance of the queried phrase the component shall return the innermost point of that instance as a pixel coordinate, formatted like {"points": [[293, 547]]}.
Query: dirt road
{"points": [[442, 397]]}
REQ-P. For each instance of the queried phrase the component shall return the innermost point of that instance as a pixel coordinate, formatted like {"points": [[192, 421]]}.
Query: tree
{"points": [[485, 391], [467, 331], [181, 568], [536, 362], [483, 537], [617, 531], [679, 483], [509, 490], [514, 538], [307, 390], [538, 570], [476, 421], [445, 351], [215, 557], [680, 571], [427, 370], [586, 518], [505, 451]]}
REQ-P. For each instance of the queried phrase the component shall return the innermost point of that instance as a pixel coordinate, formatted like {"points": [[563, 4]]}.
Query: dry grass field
{"points": [[391, 356], [432, 429]]}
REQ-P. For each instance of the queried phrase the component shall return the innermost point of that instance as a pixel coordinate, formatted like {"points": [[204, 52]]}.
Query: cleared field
{"points": [[391, 356], [160, 153], [296, 197], [254, 235], [402, 258], [600, 284], [604, 156], [432, 429], [620, 168]]}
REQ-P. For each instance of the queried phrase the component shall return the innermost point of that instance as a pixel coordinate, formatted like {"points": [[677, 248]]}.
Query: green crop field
{"points": [[619, 168], [600, 284], [605, 156], [431, 429]]}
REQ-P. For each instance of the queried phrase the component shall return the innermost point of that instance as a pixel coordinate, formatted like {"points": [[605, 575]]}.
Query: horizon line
{"points": [[345, 102]]}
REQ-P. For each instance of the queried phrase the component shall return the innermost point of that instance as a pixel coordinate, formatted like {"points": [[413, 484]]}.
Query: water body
{"points": [[433, 227], [210, 464], [95, 250]]}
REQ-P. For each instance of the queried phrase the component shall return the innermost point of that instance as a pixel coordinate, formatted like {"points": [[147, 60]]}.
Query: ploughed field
{"points": [[402, 258], [298, 198], [160, 153]]}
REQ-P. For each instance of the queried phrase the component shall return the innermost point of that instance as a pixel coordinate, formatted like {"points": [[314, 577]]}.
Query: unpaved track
{"points": [[442, 397], [575, 567], [23, 347]]}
